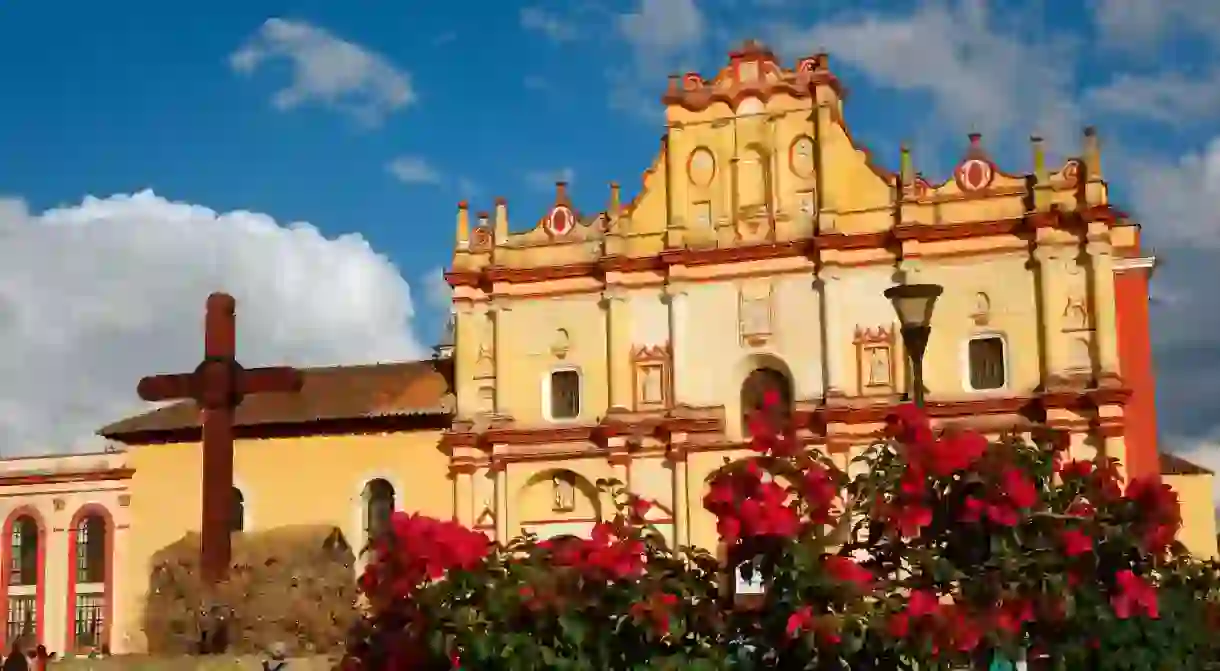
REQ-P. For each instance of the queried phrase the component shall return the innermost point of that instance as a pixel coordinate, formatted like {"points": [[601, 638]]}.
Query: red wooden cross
{"points": [[218, 385]]}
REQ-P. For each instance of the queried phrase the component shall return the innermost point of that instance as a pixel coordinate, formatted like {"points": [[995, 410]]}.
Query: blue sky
{"points": [[299, 111]]}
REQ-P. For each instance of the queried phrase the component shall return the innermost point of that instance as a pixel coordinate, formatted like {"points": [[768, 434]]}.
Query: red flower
{"points": [[922, 603], [899, 625], [1019, 489], [1160, 514], [909, 426], [910, 519], [799, 621], [1134, 595], [1075, 542], [1073, 470], [844, 569]]}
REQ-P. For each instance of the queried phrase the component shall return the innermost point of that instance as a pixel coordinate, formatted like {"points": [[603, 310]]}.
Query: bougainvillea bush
{"points": [[945, 551]]}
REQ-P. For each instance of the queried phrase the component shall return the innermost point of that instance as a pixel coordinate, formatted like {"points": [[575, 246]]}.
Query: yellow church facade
{"points": [[627, 344]]}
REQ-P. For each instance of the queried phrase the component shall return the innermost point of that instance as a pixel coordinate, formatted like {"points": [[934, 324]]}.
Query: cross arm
{"points": [[282, 379], [166, 387]]}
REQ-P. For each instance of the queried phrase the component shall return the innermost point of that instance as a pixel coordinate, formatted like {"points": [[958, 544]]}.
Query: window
{"points": [[89, 618], [23, 545], [987, 363], [20, 617], [565, 394], [91, 550], [237, 512], [378, 507]]}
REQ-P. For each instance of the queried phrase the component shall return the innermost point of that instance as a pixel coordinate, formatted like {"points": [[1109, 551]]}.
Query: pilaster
{"points": [[834, 353], [463, 494], [681, 496], [466, 354], [1052, 288], [674, 296], [1101, 280], [498, 311], [619, 390], [500, 469]]}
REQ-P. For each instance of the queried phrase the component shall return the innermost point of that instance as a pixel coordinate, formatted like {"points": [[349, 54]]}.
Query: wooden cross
{"points": [[217, 386]]}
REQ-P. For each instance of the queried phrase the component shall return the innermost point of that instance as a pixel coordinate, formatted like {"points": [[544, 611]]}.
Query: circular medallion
{"points": [[560, 221], [701, 167], [801, 156], [974, 174]]}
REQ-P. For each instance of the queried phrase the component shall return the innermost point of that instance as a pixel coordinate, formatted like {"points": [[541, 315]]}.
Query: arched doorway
{"points": [[761, 383], [378, 508]]}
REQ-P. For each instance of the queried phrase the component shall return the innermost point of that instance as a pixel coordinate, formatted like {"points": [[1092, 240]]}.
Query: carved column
{"points": [[1052, 292], [466, 354], [498, 310], [463, 494], [618, 349], [681, 496], [834, 354], [1105, 321], [500, 468], [675, 297]]}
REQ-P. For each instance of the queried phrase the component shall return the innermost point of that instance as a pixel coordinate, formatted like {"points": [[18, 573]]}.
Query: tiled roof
{"points": [[1175, 465], [334, 393]]}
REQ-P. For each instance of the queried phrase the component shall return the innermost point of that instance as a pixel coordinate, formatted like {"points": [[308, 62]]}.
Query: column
{"points": [[1115, 447], [675, 297], [463, 494], [681, 496], [498, 313], [1105, 322], [1051, 295], [501, 492], [834, 359], [465, 355], [618, 349]]}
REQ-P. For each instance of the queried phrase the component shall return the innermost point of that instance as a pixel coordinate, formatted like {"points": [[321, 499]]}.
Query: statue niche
{"points": [[758, 385], [753, 182]]}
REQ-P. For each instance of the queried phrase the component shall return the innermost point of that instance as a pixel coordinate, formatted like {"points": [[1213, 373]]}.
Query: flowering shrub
{"points": [[944, 551]]}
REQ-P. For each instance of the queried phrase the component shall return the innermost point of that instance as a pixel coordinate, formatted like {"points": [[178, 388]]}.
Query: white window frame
{"points": [[1004, 355], [546, 394]]}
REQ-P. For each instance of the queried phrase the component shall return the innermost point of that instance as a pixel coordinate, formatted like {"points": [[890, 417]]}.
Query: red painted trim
{"points": [[1138, 371], [59, 478], [40, 595], [107, 580]]}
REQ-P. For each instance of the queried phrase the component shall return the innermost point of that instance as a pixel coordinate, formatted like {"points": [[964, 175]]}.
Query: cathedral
{"points": [[627, 343]]}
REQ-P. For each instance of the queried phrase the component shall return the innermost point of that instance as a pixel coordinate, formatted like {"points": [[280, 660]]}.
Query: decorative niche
{"points": [[981, 311], [876, 360], [652, 381], [1075, 315], [754, 313]]}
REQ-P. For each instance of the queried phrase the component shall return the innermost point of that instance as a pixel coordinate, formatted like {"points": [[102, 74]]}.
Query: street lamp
{"points": [[914, 304]]}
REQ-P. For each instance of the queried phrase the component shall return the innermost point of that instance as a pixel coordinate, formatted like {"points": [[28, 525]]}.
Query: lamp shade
{"points": [[914, 302]]}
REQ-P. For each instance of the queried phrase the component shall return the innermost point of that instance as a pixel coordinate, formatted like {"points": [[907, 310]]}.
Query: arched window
{"points": [[91, 550], [757, 386], [378, 507], [23, 569], [237, 519]]}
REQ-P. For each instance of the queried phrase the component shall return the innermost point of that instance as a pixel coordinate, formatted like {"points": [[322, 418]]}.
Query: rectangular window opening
{"points": [[565, 394], [987, 363]]}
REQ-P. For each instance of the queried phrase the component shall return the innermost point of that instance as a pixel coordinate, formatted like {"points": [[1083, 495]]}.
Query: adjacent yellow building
{"points": [[627, 344]]}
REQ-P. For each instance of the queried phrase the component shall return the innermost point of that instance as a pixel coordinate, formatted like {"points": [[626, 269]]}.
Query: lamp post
{"points": [[914, 304]]}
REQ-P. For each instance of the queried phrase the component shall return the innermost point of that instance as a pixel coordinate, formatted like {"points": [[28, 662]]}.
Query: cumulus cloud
{"points": [[981, 70], [1173, 98], [413, 170], [94, 296], [327, 70], [1136, 25], [663, 36]]}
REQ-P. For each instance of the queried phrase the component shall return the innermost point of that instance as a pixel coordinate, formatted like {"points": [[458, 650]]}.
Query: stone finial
{"points": [[561, 193], [1039, 150], [615, 199], [1092, 154], [501, 223], [463, 224], [906, 169]]}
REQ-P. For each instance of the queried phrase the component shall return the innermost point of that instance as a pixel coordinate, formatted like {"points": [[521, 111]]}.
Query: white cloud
{"points": [[437, 292], [94, 296], [1137, 25], [550, 25], [1177, 200], [664, 36], [980, 72], [544, 180], [327, 70], [1173, 98], [413, 170]]}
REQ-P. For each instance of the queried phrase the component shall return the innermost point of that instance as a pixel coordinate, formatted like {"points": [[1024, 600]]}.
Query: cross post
{"points": [[218, 386]]}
